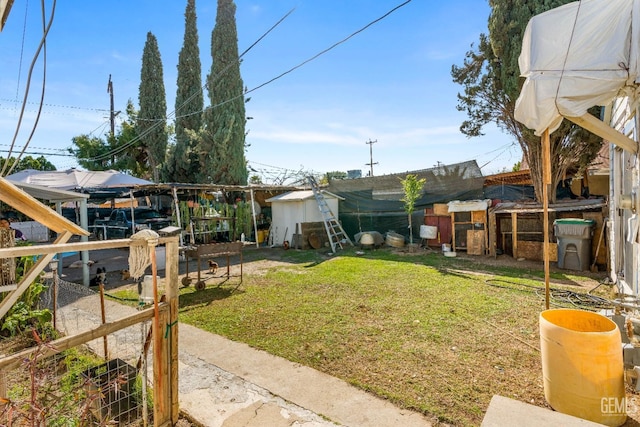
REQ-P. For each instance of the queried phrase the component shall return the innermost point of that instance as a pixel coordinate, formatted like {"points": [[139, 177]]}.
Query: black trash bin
{"points": [[574, 242]]}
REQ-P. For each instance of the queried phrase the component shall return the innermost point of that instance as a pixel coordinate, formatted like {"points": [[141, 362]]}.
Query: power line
{"points": [[38, 153], [40, 148], [57, 105], [139, 137], [331, 47]]}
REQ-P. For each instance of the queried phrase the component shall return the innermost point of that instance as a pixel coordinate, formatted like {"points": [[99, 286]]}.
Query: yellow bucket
{"points": [[582, 365], [261, 235]]}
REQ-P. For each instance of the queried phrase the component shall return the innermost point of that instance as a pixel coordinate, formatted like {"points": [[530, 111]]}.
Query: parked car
{"points": [[119, 223]]}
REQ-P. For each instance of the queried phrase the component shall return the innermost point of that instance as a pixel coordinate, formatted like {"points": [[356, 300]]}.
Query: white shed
{"points": [[296, 207]]}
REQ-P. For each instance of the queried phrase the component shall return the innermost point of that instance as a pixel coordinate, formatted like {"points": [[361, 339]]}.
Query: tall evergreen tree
{"points": [[491, 79], [152, 117], [222, 144], [183, 164]]}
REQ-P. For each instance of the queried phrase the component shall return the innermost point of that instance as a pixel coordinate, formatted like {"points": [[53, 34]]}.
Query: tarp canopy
{"points": [[98, 184], [575, 57]]}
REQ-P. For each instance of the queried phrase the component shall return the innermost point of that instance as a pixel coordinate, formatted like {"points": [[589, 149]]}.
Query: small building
{"points": [[292, 212]]}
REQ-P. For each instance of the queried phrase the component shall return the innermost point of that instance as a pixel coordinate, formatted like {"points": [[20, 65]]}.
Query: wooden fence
{"points": [[165, 313]]}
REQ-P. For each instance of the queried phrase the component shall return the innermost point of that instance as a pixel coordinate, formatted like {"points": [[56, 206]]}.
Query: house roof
{"points": [[443, 179], [301, 195], [521, 177]]}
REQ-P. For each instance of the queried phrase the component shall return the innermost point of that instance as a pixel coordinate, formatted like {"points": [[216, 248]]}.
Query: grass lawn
{"points": [[438, 335]]}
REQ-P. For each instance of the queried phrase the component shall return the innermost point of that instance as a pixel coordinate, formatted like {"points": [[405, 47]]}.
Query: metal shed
{"points": [[294, 208]]}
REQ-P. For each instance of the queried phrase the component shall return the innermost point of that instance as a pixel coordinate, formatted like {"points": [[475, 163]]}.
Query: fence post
{"points": [[172, 285]]}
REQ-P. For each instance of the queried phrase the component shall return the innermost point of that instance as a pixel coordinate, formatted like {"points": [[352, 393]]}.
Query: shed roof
{"points": [[301, 195], [561, 206]]}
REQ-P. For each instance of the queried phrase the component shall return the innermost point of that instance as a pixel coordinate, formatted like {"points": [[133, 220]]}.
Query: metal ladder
{"points": [[335, 232]]}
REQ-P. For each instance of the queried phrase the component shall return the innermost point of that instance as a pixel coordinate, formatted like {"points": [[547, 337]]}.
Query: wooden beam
{"points": [[546, 173], [605, 131], [25, 203], [514, 234], [30, 276], [65, 343], [172, 292], [18, 251]]}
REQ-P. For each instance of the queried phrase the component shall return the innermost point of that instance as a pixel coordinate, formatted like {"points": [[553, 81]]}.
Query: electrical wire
{"points": [[102, 110], [26, 94], [330, 47], [24, 34], [44, 82], [161, 121]]}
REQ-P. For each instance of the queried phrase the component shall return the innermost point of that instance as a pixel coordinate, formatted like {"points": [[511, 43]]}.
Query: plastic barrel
{"points": [[582, 365]]}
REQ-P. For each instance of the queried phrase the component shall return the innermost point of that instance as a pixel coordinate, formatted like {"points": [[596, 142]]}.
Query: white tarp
{"points": [[73, 179], [575, 57]]}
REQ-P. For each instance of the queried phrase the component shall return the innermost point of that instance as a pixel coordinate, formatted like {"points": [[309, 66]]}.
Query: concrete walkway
{"points": [[229, 384]]}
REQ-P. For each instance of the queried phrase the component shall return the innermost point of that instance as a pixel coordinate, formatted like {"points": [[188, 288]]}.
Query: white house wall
{"points": [[623, 221]]}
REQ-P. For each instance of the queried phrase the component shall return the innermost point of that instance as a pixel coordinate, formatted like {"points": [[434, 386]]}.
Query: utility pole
{"points": [[112, 114], [112, 120], [371, 163]]}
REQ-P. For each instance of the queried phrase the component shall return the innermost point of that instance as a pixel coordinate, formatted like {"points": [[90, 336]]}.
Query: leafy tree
{"points": [[490, 77], [222, 143], [413, 188], [151, 124], [120, 152], [92, 152], [38, 163], [182, 162], [516, 167]]}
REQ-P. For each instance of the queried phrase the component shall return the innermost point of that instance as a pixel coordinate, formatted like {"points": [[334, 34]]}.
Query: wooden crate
{"points": [[475, 242], [440, 209], [479, 217], [533, 251]]}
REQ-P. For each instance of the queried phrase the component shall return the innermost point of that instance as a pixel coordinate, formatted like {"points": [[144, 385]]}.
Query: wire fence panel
{"points": [[82, 385]]}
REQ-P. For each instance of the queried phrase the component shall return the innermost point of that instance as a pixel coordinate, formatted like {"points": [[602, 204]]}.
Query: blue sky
{"points": [[390, 83]]}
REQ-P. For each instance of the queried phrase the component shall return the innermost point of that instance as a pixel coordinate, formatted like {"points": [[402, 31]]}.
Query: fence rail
{"points": [[160, 314]]}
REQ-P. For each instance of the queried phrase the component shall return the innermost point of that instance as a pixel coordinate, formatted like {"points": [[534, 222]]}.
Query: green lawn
{"points": [[434, 334]]}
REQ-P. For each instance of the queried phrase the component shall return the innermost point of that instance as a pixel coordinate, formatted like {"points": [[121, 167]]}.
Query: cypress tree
{"points": [[223, 143], [183, 164], [152, 117]]}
